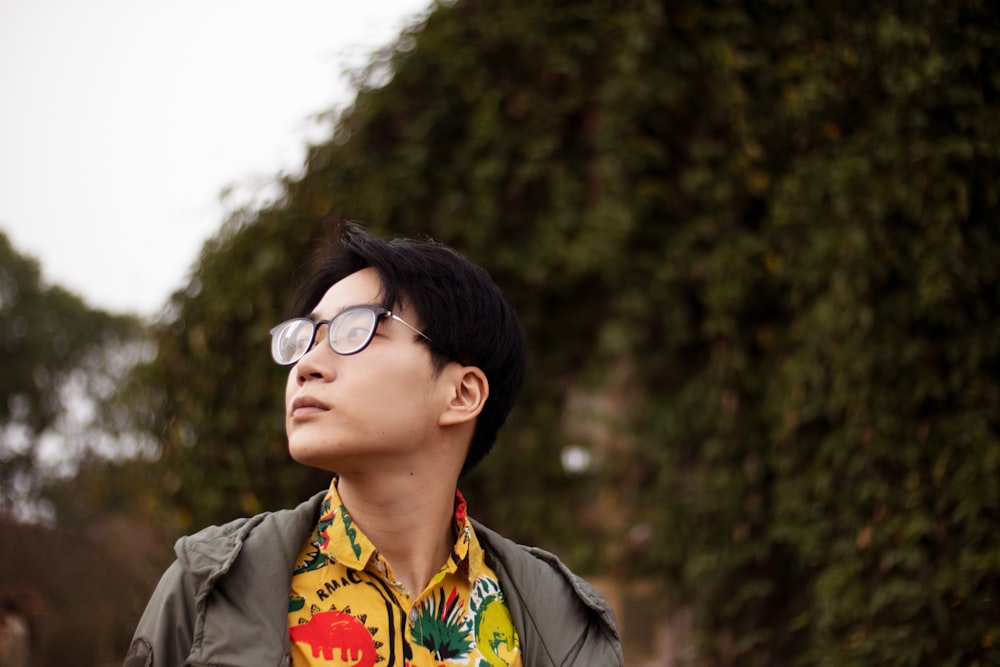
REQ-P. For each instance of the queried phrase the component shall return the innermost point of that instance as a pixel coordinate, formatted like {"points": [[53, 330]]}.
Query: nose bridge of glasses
{"points": [[317, 332]]}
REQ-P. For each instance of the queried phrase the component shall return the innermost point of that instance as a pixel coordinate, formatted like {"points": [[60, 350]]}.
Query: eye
{"points": [[291, 339], [357, 332], [352, 329]]}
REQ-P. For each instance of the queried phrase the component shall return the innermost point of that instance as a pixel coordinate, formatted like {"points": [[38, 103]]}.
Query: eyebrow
{"points": [[314, 316]]}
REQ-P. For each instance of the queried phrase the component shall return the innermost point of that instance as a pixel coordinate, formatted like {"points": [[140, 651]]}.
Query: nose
{"points": [[316, 363]]}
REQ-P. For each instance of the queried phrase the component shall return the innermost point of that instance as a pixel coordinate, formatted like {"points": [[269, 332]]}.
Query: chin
{"points": [[310, 456]]}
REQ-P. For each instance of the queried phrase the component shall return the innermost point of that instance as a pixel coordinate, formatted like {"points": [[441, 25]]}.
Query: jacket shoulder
{"points": [[562, 618], [247, 559], [212, 550]]}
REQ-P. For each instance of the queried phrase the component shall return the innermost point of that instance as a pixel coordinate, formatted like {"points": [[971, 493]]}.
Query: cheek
{"points": [[410, 392], [291, 386]]}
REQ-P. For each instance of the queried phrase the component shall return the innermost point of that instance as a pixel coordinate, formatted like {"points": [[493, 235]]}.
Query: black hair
{"points": [[460, 309]]}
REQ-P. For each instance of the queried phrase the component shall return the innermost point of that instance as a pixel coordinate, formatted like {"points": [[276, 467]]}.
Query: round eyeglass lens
{"points": [[290, 340], [351, 330]]}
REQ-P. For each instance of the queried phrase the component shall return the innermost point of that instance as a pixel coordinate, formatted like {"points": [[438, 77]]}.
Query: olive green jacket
{"points": [[224, 601]]}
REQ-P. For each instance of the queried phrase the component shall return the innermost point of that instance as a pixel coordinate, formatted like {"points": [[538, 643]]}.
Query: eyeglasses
{"points": [[348, 333]]}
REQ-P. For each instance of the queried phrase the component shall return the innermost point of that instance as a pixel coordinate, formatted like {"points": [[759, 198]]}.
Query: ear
{"points": [[469, 391]]}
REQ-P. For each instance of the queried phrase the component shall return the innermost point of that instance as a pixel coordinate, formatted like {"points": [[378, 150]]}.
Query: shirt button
{"points": [[413, 615]]}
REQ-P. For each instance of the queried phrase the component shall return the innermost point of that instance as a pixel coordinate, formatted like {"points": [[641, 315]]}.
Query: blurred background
{"points": [[755, 246]]}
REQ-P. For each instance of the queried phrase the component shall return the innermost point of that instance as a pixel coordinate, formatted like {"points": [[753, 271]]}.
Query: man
{"points": [[404, 362]]}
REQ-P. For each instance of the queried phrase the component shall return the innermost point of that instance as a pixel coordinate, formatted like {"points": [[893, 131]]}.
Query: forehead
{"points": [[361, 287]]}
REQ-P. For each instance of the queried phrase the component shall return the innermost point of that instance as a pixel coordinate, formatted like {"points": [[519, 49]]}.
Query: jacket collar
{"points": [[250, 562]]}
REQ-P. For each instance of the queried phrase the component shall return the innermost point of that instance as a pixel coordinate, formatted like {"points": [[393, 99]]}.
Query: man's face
{"points": [[356, 413]]}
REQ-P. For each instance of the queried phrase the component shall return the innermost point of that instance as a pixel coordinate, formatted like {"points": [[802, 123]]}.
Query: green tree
{"points": [[755, 249], [59, 357]]}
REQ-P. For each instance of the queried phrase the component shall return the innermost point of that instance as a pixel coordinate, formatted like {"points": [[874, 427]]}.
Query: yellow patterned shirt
{"points": [[345, 607]]}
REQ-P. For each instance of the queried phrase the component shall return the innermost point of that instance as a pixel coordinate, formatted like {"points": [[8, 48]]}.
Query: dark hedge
{"points": [[757, 252]]}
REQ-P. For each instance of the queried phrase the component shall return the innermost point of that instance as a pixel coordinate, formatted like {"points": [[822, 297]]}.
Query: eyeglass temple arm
{"points": [[389, 313]]}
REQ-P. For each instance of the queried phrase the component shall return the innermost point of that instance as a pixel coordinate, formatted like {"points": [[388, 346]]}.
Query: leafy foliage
{"points": [[212, 394], [54, 350], [755, 249]]}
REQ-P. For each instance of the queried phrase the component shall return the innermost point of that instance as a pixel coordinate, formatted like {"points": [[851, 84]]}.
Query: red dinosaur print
{"points": [[328, 631]]}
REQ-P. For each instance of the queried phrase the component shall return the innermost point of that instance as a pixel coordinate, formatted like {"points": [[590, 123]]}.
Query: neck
{"points": [[409, 520]]}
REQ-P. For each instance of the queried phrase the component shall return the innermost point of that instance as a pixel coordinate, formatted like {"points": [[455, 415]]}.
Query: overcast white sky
{"points": [[122, 121]]}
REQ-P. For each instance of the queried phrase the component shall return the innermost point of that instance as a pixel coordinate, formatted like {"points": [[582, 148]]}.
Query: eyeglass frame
{"points": [[379, 312]]}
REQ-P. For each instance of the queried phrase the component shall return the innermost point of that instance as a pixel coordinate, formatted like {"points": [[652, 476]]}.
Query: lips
{"points": [[304, 405]]}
